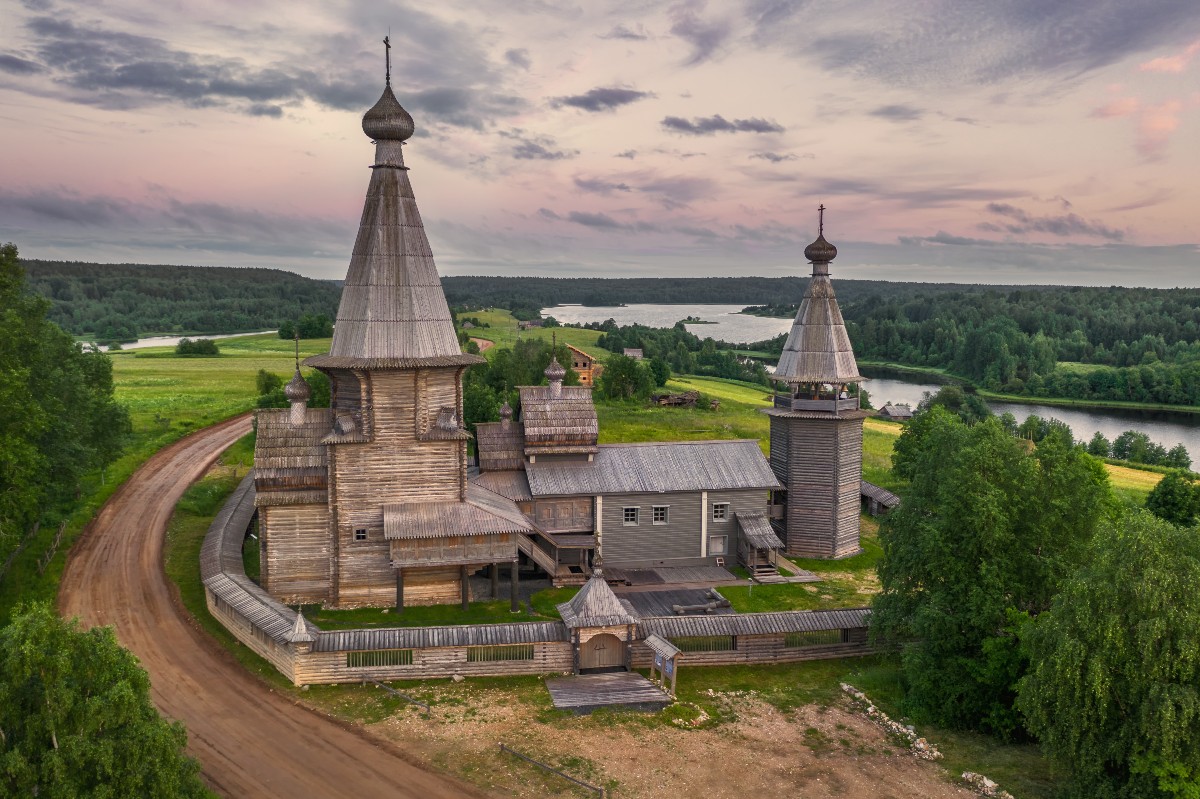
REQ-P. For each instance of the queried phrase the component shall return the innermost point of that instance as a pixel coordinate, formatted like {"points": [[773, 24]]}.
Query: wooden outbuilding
{"points": [[896, 413], [587, 367], [877, 501]]}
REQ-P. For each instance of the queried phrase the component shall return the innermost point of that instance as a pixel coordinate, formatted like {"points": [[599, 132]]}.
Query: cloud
{"points": [[600, 186], [704, 36], [897, 113], [1155, 127], [703, 126], [630, 154], [601, 99], [518, 58], [446, 73], [1063, 225], [18, 66], [1117, 107], [777, 158], [979, 43], [942, 237], [586, 219], [1175, 63], [622, 32], [536, 148]]}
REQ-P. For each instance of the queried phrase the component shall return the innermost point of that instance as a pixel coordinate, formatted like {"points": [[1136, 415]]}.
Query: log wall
{"points": [[296, 547], [553, 657], [823, 474], [281, 656]]}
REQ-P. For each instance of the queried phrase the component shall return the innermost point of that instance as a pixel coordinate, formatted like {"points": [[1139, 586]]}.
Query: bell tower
{"points": [[816, 425]]}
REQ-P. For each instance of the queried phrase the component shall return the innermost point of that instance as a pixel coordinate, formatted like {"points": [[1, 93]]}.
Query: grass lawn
{"points": [[502, 330], [491, 612]]}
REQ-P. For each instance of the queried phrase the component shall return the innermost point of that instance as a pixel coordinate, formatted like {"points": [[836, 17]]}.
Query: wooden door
{"points": [[604, 651]]}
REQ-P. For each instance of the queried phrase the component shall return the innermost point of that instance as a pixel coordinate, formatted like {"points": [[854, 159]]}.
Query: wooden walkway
{"points": [[587, 692], [669, 575], [662, 603]]}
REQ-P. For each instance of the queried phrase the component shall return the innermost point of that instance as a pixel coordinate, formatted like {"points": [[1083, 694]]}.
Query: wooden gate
{"points": [[604, 652]]}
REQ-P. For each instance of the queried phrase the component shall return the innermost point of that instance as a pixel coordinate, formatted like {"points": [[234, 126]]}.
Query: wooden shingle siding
{"points": [[296, 539]]}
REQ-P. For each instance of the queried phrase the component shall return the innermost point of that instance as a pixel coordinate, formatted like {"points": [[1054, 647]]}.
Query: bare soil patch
{"points": [[755, 750]]}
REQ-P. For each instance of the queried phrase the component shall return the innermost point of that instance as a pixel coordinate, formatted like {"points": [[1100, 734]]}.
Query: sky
{"points": [[971, 141]]}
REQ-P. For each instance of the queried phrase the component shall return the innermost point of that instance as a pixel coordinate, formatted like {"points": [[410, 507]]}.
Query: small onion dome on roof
{"points": [[555, 371], [387, 119], [506, 410], [297, 389], [820, 251]]}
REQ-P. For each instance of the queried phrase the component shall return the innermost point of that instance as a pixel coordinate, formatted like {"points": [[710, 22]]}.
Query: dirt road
{"points": [[250, 740]]}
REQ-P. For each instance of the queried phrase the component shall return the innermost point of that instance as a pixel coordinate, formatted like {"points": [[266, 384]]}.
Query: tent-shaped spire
{"points": [[393, 313], [299, 633], [818, 348], [595, 606]]}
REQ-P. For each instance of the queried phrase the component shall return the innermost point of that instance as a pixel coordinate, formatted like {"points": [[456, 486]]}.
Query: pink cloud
{"points": [[1172, 63], [1155, 127], [1118, 107]]}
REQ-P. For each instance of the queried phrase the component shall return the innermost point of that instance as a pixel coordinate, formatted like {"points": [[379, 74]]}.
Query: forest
{"points": [[122, 302]]}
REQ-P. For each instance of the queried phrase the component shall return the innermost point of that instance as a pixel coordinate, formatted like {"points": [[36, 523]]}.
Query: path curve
{"points": [[251, 741]]}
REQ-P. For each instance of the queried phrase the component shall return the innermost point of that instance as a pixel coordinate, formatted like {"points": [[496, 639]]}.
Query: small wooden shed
{"points": [[758, 546]]}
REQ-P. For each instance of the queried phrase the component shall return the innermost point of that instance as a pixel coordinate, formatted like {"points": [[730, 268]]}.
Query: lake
{"points": [[1164, 427], [727, 323]]}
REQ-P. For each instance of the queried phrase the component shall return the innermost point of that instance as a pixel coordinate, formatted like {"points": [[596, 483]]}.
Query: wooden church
{"points": [[372, 502]]}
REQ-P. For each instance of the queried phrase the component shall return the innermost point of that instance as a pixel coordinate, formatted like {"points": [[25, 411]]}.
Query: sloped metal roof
{"points": [[510, 484], [657, 468], [880, 495]]}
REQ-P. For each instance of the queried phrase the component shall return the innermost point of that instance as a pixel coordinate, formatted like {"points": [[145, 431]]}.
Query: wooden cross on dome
{"points": [[387, 58], [821, 219]]}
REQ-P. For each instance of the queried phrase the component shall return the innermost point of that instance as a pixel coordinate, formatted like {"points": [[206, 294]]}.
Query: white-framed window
{"points": [[661, 514], [718, 545], [630, 516], [720, 512], [360, 534]]}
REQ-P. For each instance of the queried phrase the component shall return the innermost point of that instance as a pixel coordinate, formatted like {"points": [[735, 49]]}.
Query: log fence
{"points": [[48, 556], [423, 705], [599, 789]]}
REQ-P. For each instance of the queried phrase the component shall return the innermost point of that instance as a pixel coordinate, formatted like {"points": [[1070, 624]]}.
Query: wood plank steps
{"points": [[587, 692]]}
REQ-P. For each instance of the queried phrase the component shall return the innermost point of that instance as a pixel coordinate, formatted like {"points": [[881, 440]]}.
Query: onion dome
{"points": [[506, 411], [387, 120], [555, 371], [297, 389], [820, 251]]}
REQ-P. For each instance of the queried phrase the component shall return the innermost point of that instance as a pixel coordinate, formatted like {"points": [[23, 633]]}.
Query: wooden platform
{"points": [[669, 575], [587, 692], [661, 603]]}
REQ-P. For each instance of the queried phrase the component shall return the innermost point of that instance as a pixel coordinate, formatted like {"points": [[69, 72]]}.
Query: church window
{"points": [[631, 516], [661, 514], [720, 512]]}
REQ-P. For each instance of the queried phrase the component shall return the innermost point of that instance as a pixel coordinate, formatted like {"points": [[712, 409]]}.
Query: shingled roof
{"points": [[500, 446], [818, 349], [290, 462], [657, 468], [393, 312], [482, 513], [758, 531], [595, 606], [563, 424]]}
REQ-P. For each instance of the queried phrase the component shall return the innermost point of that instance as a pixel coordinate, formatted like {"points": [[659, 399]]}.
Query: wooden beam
{"points": [[494, 573], [514, 586], [399, 590], [466, 587]]}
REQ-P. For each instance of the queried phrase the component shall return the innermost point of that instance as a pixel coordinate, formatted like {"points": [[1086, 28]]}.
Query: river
{"points": [[1164, 427], [171, 341], [725, 323]]}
